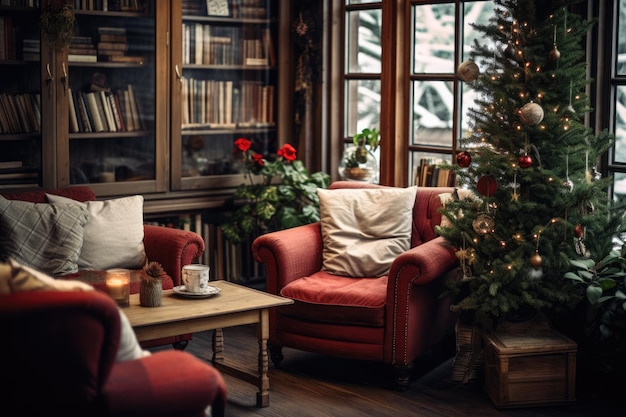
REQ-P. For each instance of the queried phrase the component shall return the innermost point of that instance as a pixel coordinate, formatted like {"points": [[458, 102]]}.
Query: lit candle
{"points": [[118, 286]]}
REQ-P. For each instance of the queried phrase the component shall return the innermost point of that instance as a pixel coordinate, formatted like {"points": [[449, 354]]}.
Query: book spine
{"points": [[72, 111], [94, 112]]}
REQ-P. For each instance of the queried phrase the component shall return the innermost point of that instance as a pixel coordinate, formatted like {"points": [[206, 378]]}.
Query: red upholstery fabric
{"points": [[329, 298], [172, 248], [393, 319], [58, 358]]}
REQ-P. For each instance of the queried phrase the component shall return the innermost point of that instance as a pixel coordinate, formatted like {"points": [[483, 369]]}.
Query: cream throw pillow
{"points": [[15, 277], [113, 235], [365, 229]]}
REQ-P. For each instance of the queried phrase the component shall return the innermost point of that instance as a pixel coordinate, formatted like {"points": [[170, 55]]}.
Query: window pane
{"points": [[362, 105], [363, 41], [620, 125], [619, 186], [425, 170], [621, 39], [476, 12], [433, 38], [432, 113]]}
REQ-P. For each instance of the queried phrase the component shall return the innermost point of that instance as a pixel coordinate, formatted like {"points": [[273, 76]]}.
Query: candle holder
{"points": [[118, 286]]}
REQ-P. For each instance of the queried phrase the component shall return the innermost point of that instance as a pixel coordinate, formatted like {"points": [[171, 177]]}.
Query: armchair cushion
{"points": [[46, 236], [113, 235], [323, 297], [365, 229]]}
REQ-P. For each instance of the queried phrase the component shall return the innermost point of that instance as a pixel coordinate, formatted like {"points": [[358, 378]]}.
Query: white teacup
{"points": [[195, 277]]}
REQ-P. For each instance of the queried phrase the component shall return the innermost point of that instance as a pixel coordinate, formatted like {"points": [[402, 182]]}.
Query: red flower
{"points": [[288, 152], [258, 159], [243, 144]]}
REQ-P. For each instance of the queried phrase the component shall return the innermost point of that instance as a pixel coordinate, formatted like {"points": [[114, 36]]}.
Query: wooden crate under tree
{"points": [[529, 367]]}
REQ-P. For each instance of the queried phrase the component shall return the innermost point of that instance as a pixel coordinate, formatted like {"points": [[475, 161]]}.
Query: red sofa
{"points": [[58, 355], [172, 248], [391, 319]]}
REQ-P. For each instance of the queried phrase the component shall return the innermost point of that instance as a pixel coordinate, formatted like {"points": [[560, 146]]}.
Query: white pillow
{"points": [[113, 236], [15, 277], [365, 229]]}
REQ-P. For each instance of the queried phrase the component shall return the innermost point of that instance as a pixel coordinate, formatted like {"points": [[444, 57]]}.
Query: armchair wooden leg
{"points": [[276, 354], [402, 376]]}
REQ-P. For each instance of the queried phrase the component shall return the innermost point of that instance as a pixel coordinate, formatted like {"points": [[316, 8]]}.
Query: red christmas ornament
{"points": [[525, 161], [487, 185], [578, 230], [464, 159]]}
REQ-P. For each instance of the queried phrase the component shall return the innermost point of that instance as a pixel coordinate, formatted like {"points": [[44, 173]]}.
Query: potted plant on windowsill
{"points": [[359, 162]]}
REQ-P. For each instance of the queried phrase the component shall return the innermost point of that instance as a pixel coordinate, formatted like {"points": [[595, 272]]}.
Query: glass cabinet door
{"points": [[223, 87], [116, 102], [20, 97]]}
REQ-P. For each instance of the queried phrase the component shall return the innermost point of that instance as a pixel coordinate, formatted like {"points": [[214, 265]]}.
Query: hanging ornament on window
{"points": [[525, 161], [531, 114], [468, 71], [464, 159]]}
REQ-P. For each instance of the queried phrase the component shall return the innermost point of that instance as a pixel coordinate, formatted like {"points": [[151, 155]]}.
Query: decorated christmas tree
{"points": [[534, 198]]}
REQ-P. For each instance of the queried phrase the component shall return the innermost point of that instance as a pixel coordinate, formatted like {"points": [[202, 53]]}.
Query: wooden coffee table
{"points": [[235, 305]]}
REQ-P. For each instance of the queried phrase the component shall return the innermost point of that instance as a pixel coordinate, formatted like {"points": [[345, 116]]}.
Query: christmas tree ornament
{"points": [[483, 224], [487, 185], [535, 260], [554, 54], [579, 230], [595, 174], [510, 51], [464, 159], [570, 108], [531, 114], [568, 185], [581, 248], [525, 161], [468, 71]]}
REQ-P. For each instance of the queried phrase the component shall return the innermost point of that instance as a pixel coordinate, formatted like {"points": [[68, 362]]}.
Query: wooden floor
{"points": [[311, 385]]}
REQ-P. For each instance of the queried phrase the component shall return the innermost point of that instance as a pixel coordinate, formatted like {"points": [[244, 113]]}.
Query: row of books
{"points": [[222, 104], [20, 113], [111, 46], [430, 174], [226, 8], [14, 175], [108, 5], [205, 44], [232, 262], [104, 111]]}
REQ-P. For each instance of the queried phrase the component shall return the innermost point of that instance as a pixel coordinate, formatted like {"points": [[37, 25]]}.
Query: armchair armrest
{"points": [[289, 254], [424, 263], [165, 383], [416, 280], [172, 248]]}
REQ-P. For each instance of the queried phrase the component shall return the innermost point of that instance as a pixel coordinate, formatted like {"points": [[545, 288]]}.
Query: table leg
{"points": [[218, 346], [263, 396]]}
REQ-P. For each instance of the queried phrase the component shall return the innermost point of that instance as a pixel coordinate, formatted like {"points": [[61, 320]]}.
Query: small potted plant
{"points": [[151, 288], [359, 162]]}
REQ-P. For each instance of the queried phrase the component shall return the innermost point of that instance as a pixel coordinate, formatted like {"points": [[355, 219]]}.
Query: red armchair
{"points": [[391, 319], [58, 358]]}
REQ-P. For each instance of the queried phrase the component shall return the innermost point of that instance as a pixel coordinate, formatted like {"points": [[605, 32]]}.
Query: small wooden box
{"points": [[529, 367]]}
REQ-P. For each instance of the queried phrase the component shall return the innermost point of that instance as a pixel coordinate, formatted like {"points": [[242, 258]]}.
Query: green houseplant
{"points": [[280, 193], [359, 162]]}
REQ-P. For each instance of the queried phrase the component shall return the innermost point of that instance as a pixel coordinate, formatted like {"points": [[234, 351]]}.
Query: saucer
{"points": [[180, 290]]}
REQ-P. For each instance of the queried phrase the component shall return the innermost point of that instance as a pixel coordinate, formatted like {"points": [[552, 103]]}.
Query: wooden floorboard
{"points": [[312, 385]]}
